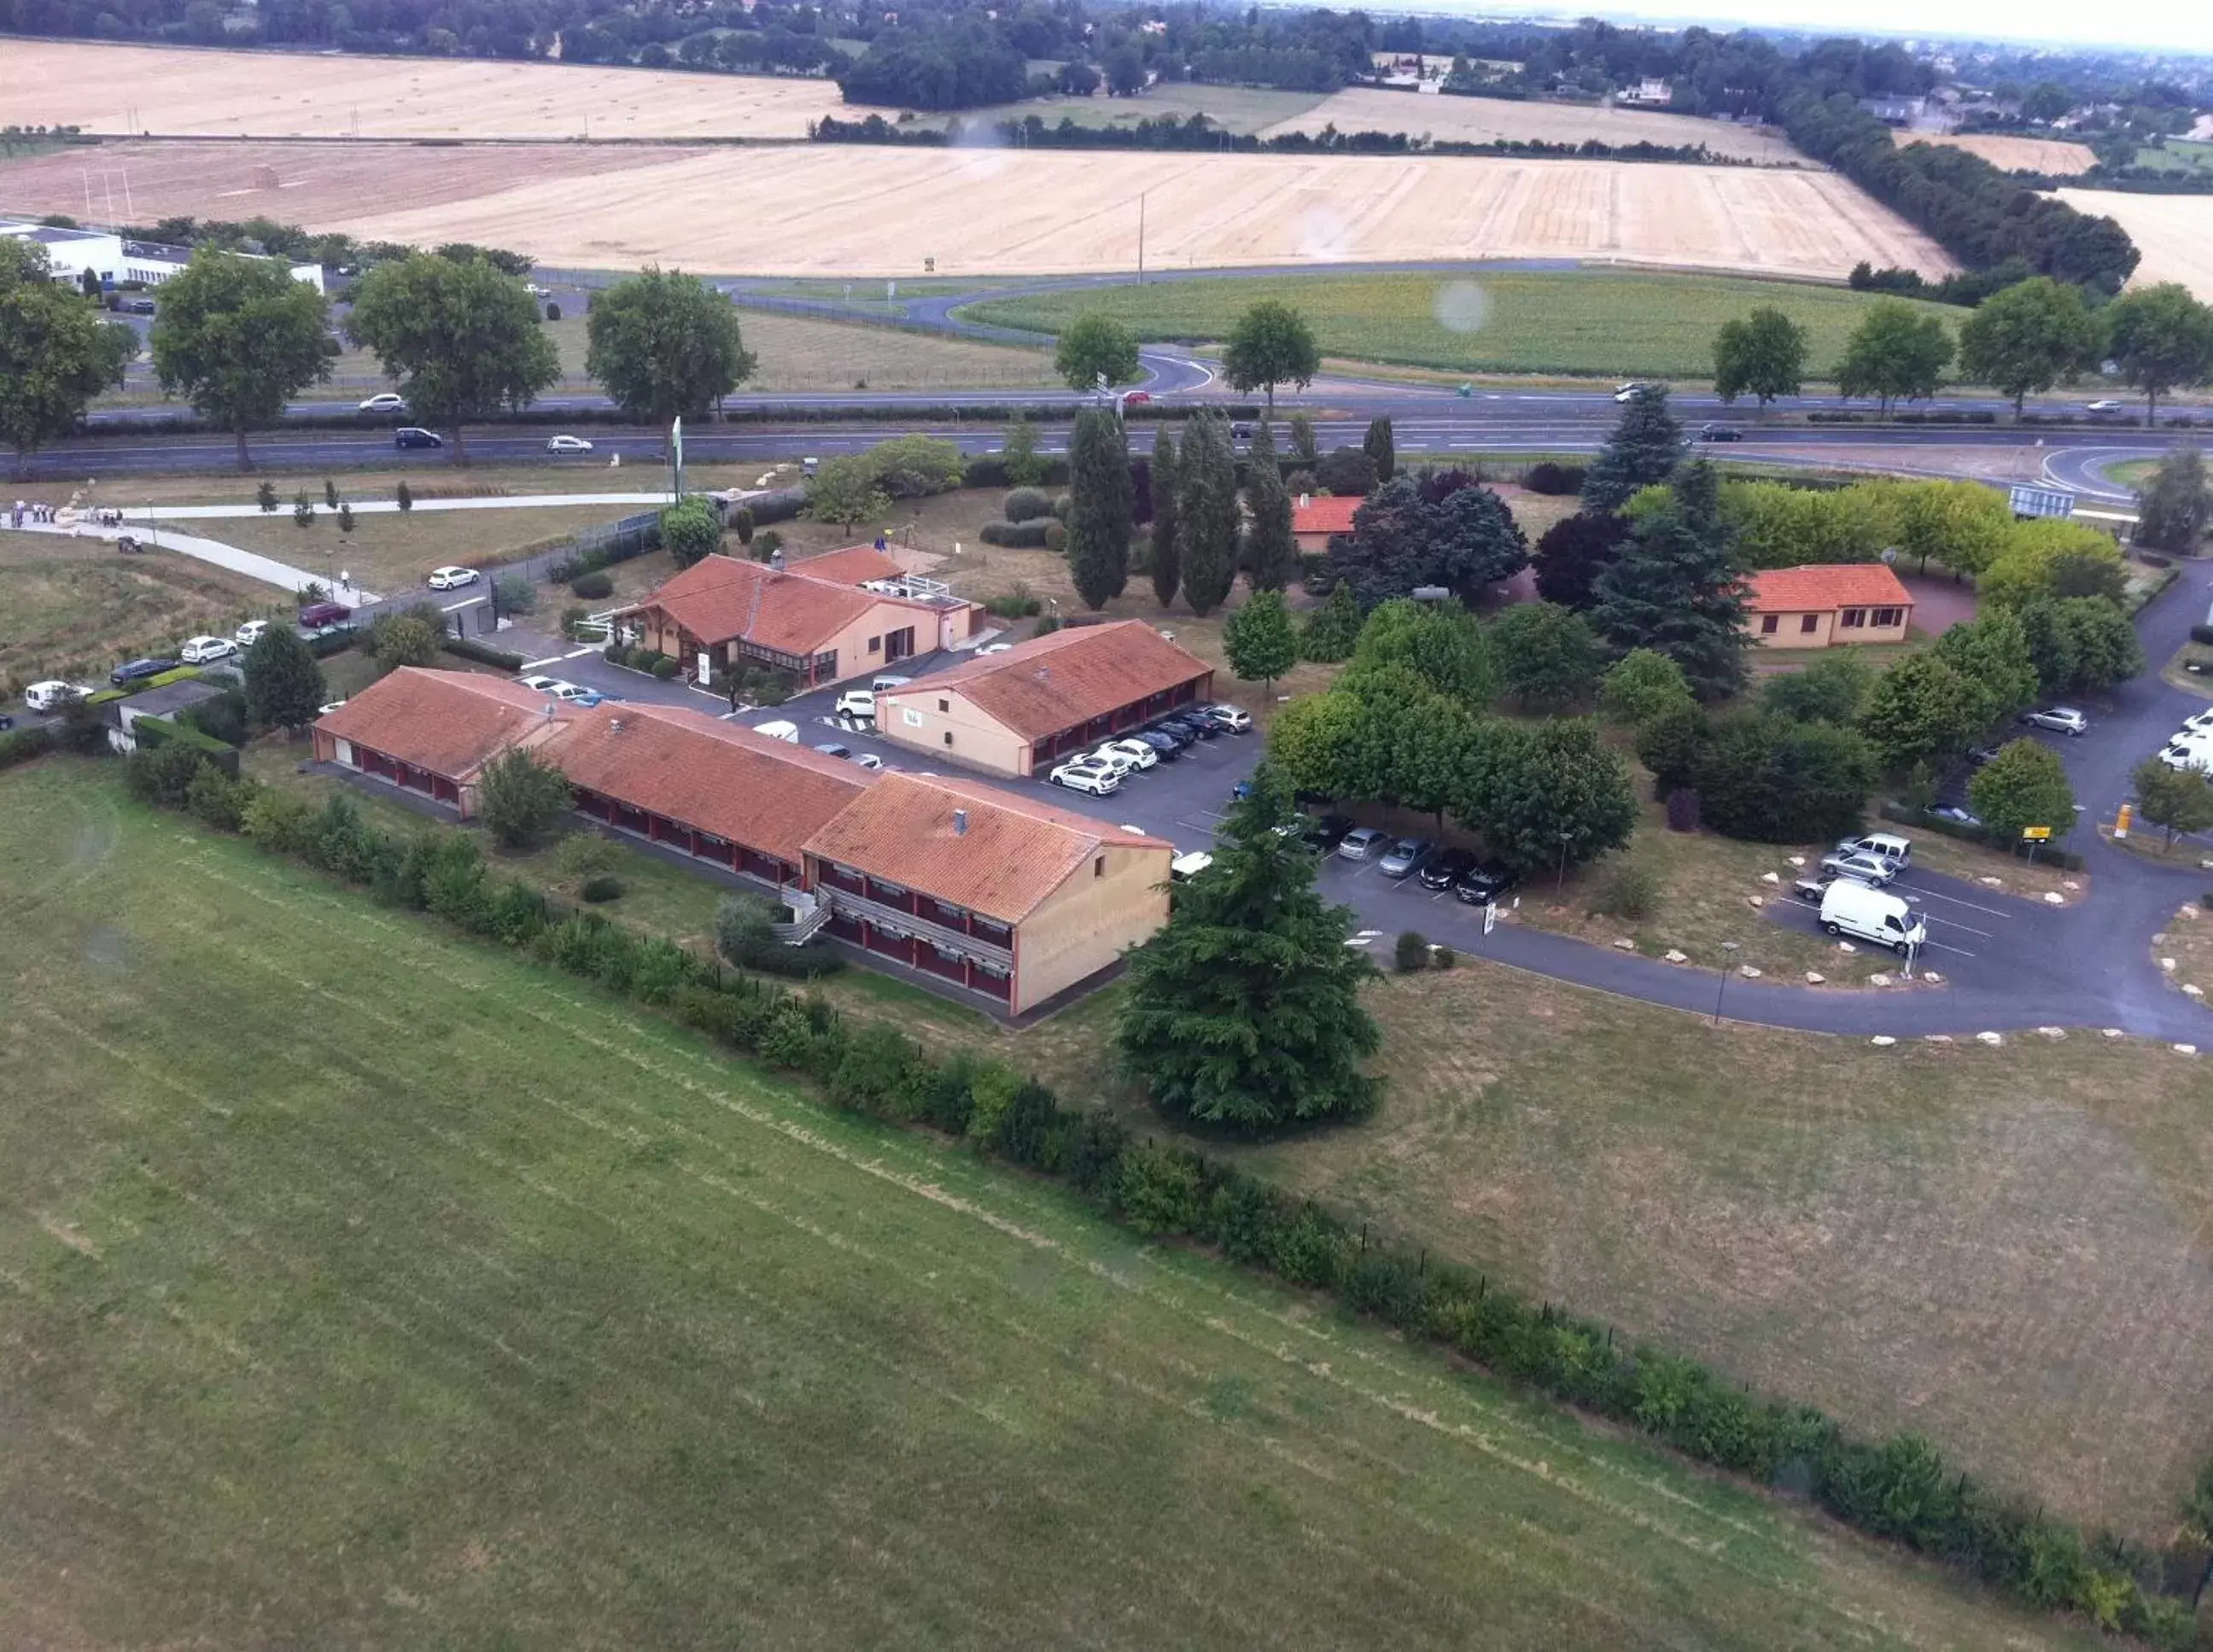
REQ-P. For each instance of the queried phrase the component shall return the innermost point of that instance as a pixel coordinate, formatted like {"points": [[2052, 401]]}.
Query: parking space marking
{"points": [[1912, 893]]}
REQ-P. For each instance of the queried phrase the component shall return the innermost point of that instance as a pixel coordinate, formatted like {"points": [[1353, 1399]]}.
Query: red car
{"points": [[1136, 398], [324, 613]]}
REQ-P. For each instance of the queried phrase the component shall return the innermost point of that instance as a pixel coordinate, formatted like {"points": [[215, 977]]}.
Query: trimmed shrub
{"points": [[1413, 951], [593, 586], [664, 667], [467, 648], [514, 593], [1443, 957], [1631, 893], [1056, 537], [1027, 504], [601, 889], [1547, 477], [1028, 535]]}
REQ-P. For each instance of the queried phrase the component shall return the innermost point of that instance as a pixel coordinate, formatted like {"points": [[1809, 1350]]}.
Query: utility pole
{"points": [[1140, 238]]}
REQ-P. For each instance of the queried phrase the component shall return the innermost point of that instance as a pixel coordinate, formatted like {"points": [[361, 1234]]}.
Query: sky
{"points": [[2170, 25]]}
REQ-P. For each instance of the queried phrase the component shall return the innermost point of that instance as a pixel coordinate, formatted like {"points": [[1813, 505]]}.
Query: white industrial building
{"points": [[113, 260]]}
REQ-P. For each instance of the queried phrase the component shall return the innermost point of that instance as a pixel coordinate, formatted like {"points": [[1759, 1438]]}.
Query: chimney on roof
{"points": [[614, 725], [960, 823]]}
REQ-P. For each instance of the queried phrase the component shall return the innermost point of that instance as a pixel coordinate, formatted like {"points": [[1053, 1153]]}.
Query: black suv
{"points": [[1444, 870], [1323, 835], [1485, 883]]}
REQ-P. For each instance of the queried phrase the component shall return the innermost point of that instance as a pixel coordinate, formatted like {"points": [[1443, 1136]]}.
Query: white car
{"points": [[249, 633], [2060, 719], [1136, 750], [1109, 757], [995, 648], [1630, 391], [325, 710], [1184, 868], [385, 401], [51, 696], [857, 706], [2189, 755], [2200, 724], [1083, 775], [567, 444], [867, 760], [200, 651], [2107, 405], [447, 579]]}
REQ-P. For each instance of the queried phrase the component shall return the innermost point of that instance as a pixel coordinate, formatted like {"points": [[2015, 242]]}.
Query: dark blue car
{"points": [[1166, 745], [133, 671]]}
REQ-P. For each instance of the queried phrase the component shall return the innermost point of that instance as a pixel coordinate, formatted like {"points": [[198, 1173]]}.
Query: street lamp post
{"points": [[1561, 882], [1728, 960]]}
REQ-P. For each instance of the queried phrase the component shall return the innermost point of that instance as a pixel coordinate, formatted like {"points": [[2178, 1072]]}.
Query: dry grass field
{"points": [[1482, 120], [73, 607], [2061, 159], [181, 92], [2174, 231]]}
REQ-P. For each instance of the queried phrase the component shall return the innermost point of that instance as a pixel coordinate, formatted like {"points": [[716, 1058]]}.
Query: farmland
{"points": [[179, 92], [851, 211], [1582, 321], [496, 1312], [1483, 120], [1234, 108], [2175, 232], [2055, 157]]}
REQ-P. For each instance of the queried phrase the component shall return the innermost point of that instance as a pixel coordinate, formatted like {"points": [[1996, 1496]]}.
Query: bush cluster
{"points": [[1029, 534], [989, 470], [1017, 604], [468, 648], [593, 585], [1900, 1489], [636, 656], [1547, 477]]}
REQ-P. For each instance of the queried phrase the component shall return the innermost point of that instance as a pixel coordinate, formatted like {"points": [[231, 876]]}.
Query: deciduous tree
{"points": [[1921, 710], [1440, 643], [461, 339], [1100, 506], [2079, 645], [1546, 654], [1830, 690], [1641, 686], [844, 490], [56, 354], [1271, 345], [690, 529], [1258, 639], [1096, 349], [2174, 800], [2027, 337], [2173, 504], [1773, 779], [1243, 1011], [283, 682], [1272, 553], [1646, 446], [2024, 785], [1762, 355], [1333, 629], [664, 345], [1550, 796], [1895, 353], [1574, 551], [2163, 339], [520, 798], [1992, 653], [239, 338]]}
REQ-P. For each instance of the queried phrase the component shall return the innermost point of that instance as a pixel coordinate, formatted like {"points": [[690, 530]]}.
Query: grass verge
{"points": [[72, 608], [360, 1277]]}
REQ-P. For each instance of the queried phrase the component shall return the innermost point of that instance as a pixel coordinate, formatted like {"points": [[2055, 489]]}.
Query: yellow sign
{"points": [[2122, 821], [2036, 834]]}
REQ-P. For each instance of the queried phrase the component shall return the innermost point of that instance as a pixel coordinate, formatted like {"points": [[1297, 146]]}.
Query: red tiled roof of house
{"points": [[1062, 680], [718, 599], [690, 767], [1325, 513], [1013, 853], [849, 566], [1819, 587], [450, 723]]}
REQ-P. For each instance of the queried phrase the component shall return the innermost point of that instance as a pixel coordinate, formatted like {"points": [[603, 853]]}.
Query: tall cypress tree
{"points": [[1206, 513], [1382, 445], [1100, 506], [1674, 588], [1168, 552], [1645, 446], [1272, 554]]}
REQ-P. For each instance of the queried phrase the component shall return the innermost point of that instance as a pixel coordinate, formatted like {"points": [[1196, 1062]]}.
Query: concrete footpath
{"points": [[251, 564]]}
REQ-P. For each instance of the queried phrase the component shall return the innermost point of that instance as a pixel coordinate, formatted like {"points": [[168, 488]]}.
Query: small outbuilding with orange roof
{"points": [[1823, 604]]}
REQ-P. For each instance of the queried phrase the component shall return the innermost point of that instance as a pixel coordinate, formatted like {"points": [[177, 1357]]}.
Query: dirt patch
{"points": [[1483, 120], [194, 93]]}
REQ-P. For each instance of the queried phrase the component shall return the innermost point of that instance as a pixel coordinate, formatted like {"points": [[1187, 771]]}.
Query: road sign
{"points": [[1490, 916], [2035, 835], [2028, 501]]}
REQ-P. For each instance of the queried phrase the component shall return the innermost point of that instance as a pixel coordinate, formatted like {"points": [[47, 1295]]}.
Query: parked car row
{"points": [[1100, 772], [2192, 745], [1470, 879], [567, 693], [1852, 890]]}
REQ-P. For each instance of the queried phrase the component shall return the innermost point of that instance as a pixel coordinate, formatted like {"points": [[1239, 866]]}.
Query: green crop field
{"points": [[361, 1286], [2176, 154], [1600, 322]]}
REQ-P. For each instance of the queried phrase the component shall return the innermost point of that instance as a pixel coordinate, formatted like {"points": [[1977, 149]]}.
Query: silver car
{"points": [[1861, 868], [1402, 857], [2060, 719], [1363, 843]]}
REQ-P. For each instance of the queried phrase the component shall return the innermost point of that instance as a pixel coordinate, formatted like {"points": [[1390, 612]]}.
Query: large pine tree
{"points": [[1167, 546], [1674, 588], [1100, 506], [1646, 446], [1272, 554], [1206, 513], [1244, 1010]]}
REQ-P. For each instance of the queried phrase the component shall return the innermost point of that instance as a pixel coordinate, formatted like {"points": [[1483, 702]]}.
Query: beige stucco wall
{"points": [[909, 716], [1826, 632], [1090, 921], [854, 659]]}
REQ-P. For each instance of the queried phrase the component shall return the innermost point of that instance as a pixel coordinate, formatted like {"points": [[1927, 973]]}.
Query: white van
{"points": [[881, 684], [1850, 907], [788, 732], [51, 696]]}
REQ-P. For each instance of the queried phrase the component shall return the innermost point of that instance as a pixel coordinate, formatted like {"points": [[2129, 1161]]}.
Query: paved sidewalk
{"points": [[375, 507], [253, 564]]}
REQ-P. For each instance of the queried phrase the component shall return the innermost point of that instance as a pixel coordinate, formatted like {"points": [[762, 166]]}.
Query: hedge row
{"points": [[1028, 535], [1900, 1489], [21, 745], [484, 654], [2065, 859], [151, 732]]}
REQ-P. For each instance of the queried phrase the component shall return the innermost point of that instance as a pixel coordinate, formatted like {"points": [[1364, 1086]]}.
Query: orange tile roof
{"points": [[1062, 680], [1013, 853], [768, 794], [1819, 588], [1325, 513], [450, 723], [718, 599], [848, 566]]}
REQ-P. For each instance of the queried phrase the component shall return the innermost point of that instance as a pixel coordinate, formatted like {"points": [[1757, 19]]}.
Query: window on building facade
{"points": [[1808, 624], [1887, 616], [1854, 619], [1770, 623]]}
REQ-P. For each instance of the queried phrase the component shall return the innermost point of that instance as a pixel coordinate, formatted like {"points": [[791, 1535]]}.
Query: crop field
{"points": [[2002, 1249], [2176, 154], [2056, 157], [1483, 120], [178, 92], [1235, 108], [2174, 231], [1577, 322], [364, 1286], [850, 211], [74, 608]]}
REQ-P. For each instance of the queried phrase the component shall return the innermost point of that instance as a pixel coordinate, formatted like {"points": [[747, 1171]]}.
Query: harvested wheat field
{"points": [[2045, 155], [181, 92], [2175, 232], [1485, 120], [852, 212]]}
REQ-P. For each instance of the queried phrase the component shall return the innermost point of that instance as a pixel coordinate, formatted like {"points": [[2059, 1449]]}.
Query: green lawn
{"points": [[361, 1286], [1582, 321], [2176, 154]]}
